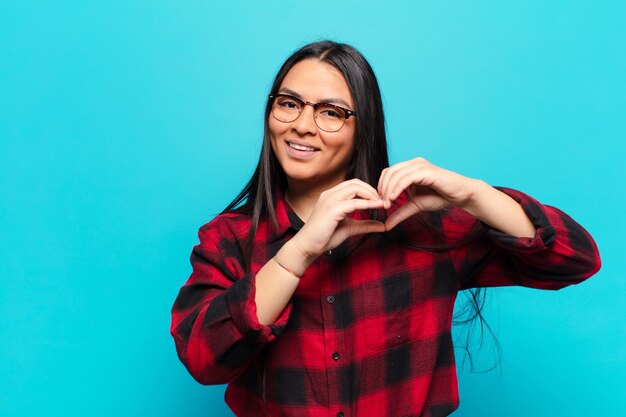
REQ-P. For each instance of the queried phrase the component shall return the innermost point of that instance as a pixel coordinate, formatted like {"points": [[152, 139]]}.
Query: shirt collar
{"points": [[286, 218]]}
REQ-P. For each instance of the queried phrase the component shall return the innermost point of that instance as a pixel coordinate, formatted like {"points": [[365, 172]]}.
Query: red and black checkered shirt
{"points": [[367, 332]]}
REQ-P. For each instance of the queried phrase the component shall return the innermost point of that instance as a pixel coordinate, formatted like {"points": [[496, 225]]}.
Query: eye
{"points": [[332, 112], [288, 103]]}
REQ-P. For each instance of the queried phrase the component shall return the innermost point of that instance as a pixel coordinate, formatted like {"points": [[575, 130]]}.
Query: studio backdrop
{"points": [[126, 125]]}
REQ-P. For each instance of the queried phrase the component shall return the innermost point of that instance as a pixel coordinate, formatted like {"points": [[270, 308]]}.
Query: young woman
{"points": [[326, 288]]}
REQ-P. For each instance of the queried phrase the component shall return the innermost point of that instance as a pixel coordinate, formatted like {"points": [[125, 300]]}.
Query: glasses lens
{"points": [[286, 109], [330, 118]]}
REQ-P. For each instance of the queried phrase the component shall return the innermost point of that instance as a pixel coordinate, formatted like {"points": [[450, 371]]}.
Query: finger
{"points": [[350, 206], [407, 178], [382, 183], [419, 173], [360, 227], [381, 180], [403, 176], [413, 163], [388, 173], [390, 180], [353, 188], [401, 214], [365, 185]]}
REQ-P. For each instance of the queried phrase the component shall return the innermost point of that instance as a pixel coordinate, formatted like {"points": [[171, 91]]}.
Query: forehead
{"points": [[316, 81]]}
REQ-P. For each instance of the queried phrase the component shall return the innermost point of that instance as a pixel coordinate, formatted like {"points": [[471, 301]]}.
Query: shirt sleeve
{"points": [[214, 322], [561, 252]]}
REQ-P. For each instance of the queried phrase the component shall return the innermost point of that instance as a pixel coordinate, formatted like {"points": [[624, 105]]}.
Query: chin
{"points": [[300, 176], [315, 179]]}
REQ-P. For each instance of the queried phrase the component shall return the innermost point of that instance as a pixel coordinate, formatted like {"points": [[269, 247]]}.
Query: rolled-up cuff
{"points": [[242, 308], [545, 232]]}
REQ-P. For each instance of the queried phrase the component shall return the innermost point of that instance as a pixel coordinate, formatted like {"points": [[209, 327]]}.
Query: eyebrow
{"points": [[329, 100]]}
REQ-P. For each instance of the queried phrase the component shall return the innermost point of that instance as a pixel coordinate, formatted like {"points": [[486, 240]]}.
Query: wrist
{"points": [[301, 243], [477, 191], [293, 258]]}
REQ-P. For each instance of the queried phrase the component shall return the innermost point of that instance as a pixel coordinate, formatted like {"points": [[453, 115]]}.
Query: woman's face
{"points": [[323, 157]]}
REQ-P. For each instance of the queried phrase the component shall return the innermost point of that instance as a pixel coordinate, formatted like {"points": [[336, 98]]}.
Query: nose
{"points": [[305, 123]]}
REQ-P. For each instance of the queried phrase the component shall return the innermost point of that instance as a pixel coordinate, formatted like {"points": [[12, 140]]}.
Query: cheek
{"points": [[346, 143], [273, 133], [349, 148], [275, 127]]}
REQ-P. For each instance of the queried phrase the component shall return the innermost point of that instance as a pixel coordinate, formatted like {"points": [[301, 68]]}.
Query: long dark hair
{"points": [[370, 155], [257, 199]]}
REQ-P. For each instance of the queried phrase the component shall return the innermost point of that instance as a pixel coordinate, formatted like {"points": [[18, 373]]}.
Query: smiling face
{"points": [[310, 156]]}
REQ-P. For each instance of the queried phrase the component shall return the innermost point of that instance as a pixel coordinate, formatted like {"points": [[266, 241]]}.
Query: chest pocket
{"points": [[404, 305], [385, 306]]}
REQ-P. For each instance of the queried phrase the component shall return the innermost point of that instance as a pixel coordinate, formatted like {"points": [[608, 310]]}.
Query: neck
{"points": [[302, 197]]}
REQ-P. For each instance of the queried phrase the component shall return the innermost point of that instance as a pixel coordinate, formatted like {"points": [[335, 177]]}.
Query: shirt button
{"points": [[340, 414], [330, 299], [329, 252], [336, 356]]}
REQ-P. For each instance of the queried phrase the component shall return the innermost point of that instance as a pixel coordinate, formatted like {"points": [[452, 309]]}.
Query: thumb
{"points": [[401, 214], [360, 227]]}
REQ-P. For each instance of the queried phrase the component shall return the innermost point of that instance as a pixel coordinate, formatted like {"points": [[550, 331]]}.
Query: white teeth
{"points": [[301, 147]]}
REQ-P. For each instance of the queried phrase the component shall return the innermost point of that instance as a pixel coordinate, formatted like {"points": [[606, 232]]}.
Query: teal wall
{"points": [[126, 125]]}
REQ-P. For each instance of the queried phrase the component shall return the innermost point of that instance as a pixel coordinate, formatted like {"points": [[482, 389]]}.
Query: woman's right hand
{"points": [[330, 224]]}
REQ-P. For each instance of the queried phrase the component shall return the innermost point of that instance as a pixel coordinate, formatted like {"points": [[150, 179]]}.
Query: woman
{"points": [[327, 286]]}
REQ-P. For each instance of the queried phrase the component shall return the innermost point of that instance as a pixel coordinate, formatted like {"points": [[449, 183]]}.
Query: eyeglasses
{"points": [[328, 117]]}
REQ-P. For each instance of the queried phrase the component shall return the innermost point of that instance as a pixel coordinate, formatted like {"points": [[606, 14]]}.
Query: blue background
{"points": [[126, 125]]}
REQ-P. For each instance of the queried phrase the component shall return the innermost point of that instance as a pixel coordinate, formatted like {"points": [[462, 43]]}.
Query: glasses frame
{"points": [[315, 106]]}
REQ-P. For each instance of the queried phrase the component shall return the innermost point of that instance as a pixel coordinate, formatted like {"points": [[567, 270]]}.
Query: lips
{"points": [[301, 151], [300, 146]]}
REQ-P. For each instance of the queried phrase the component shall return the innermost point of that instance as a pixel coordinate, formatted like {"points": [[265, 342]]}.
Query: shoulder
{"points": [[232, 226]]}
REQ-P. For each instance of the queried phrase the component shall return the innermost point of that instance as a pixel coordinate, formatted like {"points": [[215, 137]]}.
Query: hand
{"points": [[329, 223], [429, 188]]}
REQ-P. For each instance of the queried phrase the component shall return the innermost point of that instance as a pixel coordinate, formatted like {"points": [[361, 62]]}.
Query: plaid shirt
{"points": [[368, 330]]}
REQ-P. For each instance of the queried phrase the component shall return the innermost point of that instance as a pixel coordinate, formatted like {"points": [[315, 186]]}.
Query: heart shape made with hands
{"points": [[423, 186], [403, 190], [411, 201], [405, 205]]}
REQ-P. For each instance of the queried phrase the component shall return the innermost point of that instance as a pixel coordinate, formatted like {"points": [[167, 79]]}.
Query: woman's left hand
{"points": [[429, 188]]}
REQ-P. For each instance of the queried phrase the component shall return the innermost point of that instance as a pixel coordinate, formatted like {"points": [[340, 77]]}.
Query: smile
{"points": [[302, 147], [301, 152]]}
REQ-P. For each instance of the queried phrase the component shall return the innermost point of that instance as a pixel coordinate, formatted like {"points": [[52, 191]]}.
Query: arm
{"points": [[214, 321], [496, 209], [526, 243], [275, 285], [559, 253], [328, 225], [221, 317]]}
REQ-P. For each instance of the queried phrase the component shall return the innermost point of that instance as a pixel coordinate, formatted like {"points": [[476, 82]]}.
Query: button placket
{"points": [[331, 311]]}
